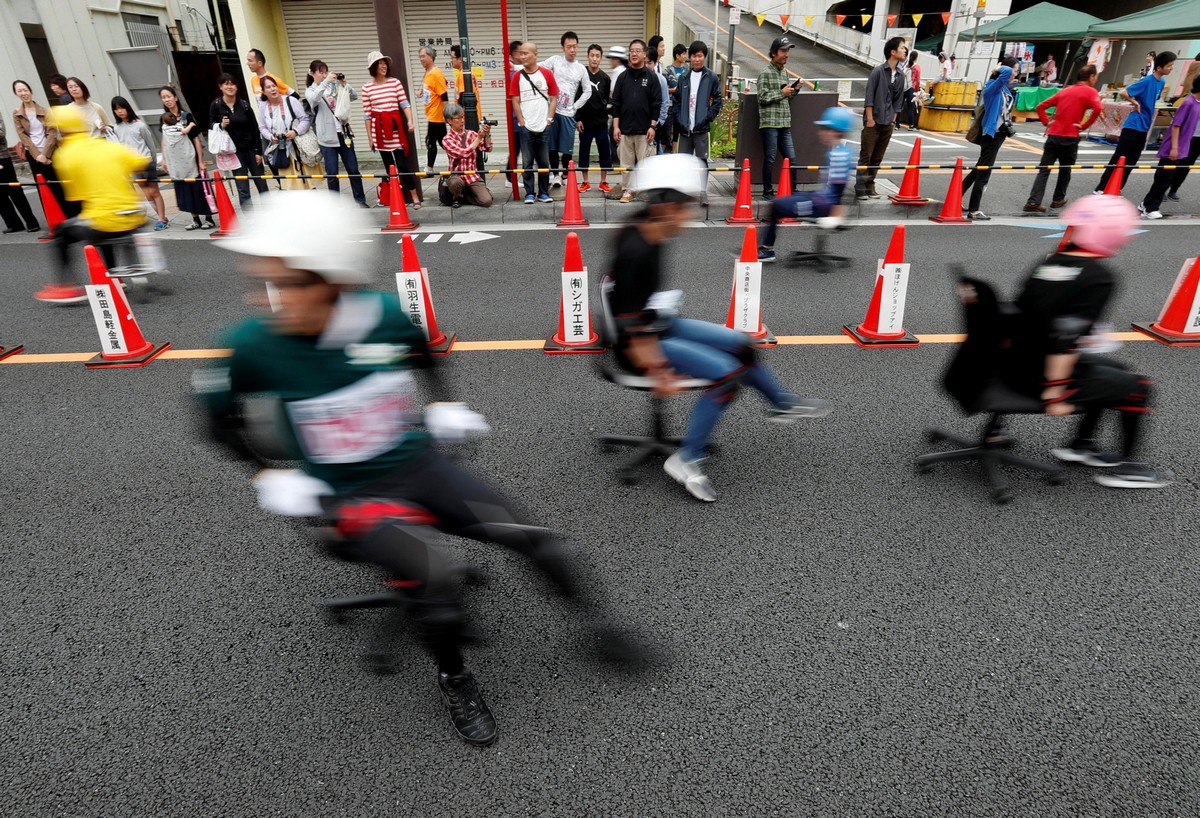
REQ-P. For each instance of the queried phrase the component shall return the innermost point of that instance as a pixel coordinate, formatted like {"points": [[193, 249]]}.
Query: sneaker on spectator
{"points": [[1057, 203], [544, 198], [61, 294], [1154, 214], [555, 180], [626, 197], [1034, 207], [529, 198], [766, 254], [605, 187], [584, 187], [1173, 196], [1135, 476]]}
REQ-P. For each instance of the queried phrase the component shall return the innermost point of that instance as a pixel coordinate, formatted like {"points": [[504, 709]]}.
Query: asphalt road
{"points": [[839, 634]]}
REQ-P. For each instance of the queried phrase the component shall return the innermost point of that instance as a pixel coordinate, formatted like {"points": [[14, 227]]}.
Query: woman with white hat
{"points": [[384, 100], [618, 57]]}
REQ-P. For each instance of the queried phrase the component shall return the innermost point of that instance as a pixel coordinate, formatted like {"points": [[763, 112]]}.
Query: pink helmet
{"points": [[1101, 224]]}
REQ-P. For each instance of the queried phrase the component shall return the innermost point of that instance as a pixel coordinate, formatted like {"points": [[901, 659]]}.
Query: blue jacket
{"points": [[996, 95], [708, 101]]}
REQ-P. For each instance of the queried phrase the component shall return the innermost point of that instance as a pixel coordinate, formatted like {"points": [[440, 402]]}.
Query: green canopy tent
{"points": [[1045, 21], [1177, 20]]}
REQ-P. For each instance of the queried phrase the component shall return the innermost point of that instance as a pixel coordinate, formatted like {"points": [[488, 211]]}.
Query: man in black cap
{"points": [[775, 91], [885, 94]]}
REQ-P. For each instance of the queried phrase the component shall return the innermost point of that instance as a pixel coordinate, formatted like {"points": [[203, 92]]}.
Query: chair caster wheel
{"points": [[1056, 479], [923, 468], [379, 663], [1002, 497], [629, 478]]}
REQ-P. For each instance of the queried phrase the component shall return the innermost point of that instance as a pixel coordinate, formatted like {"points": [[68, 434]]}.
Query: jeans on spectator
{"points": [[452, 188], [632, 149], [535, 150], [874, 145], [1185, 164], [989, 149], [1061, 149], [776, 141], [720, 354], [910, 107], [1130, 144], [330, 155], [603, 148], [249, 167], [696, 144]]}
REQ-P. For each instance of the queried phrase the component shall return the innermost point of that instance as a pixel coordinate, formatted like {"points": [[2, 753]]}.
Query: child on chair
{"points": [[826, 202]]}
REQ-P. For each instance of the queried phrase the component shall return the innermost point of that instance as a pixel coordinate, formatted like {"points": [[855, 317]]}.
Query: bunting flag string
{"points": [[783, 18], [841, 18], [917, 18], [760, 18], [808, 18], [945, 18], [892, 19], [866, 18]]}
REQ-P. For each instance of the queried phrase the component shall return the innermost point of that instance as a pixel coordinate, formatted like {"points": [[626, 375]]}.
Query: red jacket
{"points": [[1071, 105]]}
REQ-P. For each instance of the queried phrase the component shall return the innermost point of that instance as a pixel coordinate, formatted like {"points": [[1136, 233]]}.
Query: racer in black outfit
{"points": [[338, 359], [1059, 305]]}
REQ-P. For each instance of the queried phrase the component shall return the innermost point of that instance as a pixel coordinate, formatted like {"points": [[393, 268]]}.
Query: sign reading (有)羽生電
{"points": [[412, 299]]}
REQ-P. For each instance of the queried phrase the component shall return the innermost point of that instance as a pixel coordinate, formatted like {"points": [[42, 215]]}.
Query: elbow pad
{"points": [[1065, 332]]}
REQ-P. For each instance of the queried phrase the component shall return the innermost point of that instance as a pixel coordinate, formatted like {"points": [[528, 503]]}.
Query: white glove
{"points": [[454, 422], [290, 492]]}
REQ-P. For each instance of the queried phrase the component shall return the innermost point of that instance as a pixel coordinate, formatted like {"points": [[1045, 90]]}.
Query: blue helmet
{"points": [[838, 119]]}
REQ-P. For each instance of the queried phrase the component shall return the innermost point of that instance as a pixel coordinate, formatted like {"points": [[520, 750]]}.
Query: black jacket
{"points": [[243, 127], [636, 100], [594, 114], [708, 101]]}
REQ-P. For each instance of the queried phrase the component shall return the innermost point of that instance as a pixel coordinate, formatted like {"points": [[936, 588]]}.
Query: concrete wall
{"points": [[259, 24]]}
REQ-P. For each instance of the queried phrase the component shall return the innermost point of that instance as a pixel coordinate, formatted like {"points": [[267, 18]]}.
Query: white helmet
{"points": [[672, 176], [313, 230]]}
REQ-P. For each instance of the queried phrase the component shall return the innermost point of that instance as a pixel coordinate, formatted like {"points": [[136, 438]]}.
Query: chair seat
{"points": [[631, 380]]}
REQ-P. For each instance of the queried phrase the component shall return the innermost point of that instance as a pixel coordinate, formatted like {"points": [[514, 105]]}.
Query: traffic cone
{"points": [[415, 298], [226, 218], [572, 210], [743, 208], [952, 209], [1113, 188], [122, 344], [9, 351], [398, 221], [910, 187], [884, 326], [784, 187], [745, 302], [54, 214], [574, 300], [1178, 324]]}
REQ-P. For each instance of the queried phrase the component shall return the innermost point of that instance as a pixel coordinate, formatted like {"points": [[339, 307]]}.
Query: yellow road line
{"points": [[499, 346]]}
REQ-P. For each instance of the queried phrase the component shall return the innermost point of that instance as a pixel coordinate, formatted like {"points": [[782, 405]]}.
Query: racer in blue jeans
{"points": [[653, 339]]}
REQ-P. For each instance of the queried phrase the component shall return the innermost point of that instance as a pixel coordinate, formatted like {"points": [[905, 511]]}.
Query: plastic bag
{"points": [[219, 141], [341, 106]]}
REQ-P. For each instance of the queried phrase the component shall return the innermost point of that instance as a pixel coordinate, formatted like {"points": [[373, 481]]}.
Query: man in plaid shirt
{"points": [[462, 146], [775, 91]]}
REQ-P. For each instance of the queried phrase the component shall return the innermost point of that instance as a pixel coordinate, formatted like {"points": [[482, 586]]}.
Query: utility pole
{"points": [[712, 52], [735, 17], [468, 92], [980, 10]]}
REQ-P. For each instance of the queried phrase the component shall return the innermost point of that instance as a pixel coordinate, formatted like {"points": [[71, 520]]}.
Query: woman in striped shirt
{"points": [[384, 101]]}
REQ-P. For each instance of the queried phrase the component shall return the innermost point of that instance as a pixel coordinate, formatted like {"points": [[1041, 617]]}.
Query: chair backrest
{"points": [[977, 362]]}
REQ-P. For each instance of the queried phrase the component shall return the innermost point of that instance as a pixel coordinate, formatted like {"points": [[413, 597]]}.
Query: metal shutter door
{"points": [[340, 32], [435, 23], [613, 22]]}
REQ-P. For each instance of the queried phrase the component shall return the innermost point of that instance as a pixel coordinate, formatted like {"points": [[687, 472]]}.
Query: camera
{"points": [[341, 77], [491, 123]]}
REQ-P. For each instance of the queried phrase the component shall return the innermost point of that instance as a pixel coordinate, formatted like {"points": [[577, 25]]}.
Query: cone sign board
{"points": [[104, 309], [895, 286], [747, 296]]}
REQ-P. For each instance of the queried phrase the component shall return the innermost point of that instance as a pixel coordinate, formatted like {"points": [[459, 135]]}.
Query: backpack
{"points": [[975, 129]]}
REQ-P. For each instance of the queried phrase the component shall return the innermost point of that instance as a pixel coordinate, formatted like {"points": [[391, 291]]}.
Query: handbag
{"points": [[975, 129], [306, 144], [209, 195], [278, 158]]}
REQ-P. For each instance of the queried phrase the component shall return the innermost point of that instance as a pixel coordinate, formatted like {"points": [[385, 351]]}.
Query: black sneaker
{"points": [[768, 196], [1087, 453], [1174, 197], [468, 712], [766, 254], [799, 408], [1135, 476]]}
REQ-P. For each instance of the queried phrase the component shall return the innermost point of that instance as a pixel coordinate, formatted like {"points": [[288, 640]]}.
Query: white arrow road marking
{"points": [[471, 237]]}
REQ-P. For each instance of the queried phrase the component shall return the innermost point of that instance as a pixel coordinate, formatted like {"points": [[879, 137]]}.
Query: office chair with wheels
{"points": [[973, 380], [819, 256], [614, 370]]}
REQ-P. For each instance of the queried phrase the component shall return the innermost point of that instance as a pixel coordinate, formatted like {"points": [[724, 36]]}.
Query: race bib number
{"points": [[358, 422], [564, 100]]}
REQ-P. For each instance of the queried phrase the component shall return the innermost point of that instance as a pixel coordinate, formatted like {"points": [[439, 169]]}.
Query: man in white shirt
{"points": [[533, 94], [571, 77]]}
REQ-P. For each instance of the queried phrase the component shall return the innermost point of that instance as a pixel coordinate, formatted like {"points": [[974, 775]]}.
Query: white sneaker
{"points": [[1153, 214], [1142, 210], [555, 180], [687, 473]]}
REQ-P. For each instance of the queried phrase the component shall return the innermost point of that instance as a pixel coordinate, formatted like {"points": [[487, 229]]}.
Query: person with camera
{"points": [[234, 115], [994, 128], [463, 146], [775, 91], [329, 97], [281, 120]]}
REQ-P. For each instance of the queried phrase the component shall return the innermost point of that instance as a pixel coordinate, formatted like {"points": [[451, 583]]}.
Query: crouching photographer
{"points": [[463, 147]]}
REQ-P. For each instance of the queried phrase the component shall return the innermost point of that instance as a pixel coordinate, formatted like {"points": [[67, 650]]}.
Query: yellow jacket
{"points": [[99, 173]]}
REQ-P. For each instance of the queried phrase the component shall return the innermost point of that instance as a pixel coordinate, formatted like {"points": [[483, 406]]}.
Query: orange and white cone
{"points": [[575, 333], [743, 207], [1178, 324], [884, 324], [417, 301], [745, 302], [122, 344], [53, 213], [952, 207], [784, 188], [226, 217], [910, 187], [398, 220]]}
